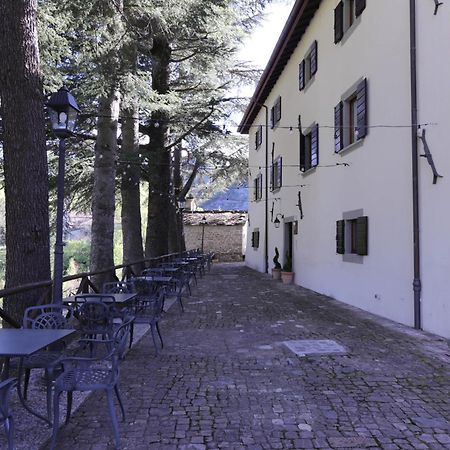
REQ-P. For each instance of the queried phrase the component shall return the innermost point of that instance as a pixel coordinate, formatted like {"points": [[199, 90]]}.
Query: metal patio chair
{"points": [[50, 316], [148, 306], [6, 417], [95, 317], [98, 371]]}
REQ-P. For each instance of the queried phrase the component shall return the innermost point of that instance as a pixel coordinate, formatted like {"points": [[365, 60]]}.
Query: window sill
{"points": [[309, 171], [351, 147], [276, 189], [353, 258]]}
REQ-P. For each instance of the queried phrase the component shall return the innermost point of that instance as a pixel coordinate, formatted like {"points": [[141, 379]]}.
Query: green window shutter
{"points": [[340, 237], [360, 6], [338, 129], [260, 185], [339, 22], [315, 146], [361, 109], [362, 235], [301, 75], [313, 58]]}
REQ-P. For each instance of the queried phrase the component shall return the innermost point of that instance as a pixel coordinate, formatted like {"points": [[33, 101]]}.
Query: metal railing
{"points": [[85, 285]]}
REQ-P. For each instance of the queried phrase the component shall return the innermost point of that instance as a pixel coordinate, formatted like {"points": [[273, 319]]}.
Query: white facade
{"points": [[376, 181]]}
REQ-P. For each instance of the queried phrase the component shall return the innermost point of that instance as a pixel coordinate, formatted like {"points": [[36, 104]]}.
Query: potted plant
{"points": [[287, 275], [276, 271]]}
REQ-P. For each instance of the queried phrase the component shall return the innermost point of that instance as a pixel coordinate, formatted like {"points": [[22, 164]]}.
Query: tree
{"points": [[24, 151]]}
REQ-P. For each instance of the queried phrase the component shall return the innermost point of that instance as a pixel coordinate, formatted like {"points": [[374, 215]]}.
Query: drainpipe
{"points": [[266, 227], [417, 285]]}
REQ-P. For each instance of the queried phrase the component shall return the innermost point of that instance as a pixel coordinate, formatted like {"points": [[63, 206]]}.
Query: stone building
{"points": [[224, 233]]}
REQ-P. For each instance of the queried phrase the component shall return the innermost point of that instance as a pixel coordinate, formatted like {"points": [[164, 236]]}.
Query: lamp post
{"points": [[63, 111], [203, 222]]}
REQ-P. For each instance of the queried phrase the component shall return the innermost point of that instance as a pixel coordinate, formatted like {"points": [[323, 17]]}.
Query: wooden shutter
{"points": [[253, 239], [360, 6], [278, 110], [362, 235], [315, 146], [272, 117], [279, 172], [255, 187], [313, 59], [257, 239], [301, 75], [338, 22], [340, 237], [260, 185], [338, 131], [361, 109], [302, 152], [271, 176]]}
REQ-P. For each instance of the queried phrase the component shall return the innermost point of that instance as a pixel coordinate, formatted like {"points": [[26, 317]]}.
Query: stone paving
{"points": [[225, 380]]}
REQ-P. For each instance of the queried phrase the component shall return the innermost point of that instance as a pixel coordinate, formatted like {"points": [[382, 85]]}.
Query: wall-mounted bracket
{"points": [[437, 3], [429, 156]]}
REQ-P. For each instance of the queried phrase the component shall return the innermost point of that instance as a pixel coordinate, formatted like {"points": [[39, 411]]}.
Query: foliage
{"points": [[275, 259], [76, 256], [287, 266]]}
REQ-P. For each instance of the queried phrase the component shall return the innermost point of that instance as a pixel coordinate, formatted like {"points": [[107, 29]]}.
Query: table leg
{"points": [[5, 369]]}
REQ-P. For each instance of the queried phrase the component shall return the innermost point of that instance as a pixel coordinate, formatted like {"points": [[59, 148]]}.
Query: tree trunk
{"points": [[176, 233], [103, 196], [130, 190], [24, 151], [156, 243]]}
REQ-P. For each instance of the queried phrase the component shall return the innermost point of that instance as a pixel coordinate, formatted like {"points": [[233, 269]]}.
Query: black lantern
{"points": [[63, 111], [277, 222], [203, 223]]}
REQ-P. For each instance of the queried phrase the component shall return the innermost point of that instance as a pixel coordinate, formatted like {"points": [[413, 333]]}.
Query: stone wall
{"points": [[225, 241]]}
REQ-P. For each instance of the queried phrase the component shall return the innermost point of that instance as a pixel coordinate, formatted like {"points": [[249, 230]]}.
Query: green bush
{"points": [[76, 256]]}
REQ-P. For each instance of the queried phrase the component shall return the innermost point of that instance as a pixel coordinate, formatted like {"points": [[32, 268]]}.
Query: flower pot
{"points": [[287, 277], [276, 274]]}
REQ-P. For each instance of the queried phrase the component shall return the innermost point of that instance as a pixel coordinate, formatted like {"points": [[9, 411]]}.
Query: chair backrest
{"points": [[95, 318], [144, 287], [121, 337], [50, 316], [153, 271], [117, 287]]}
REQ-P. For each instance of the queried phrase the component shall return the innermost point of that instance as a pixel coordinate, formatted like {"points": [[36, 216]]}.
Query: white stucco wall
{"points": [[378, 179]]}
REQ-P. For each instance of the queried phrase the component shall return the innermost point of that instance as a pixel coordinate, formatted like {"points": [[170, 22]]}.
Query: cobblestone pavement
{"points": [[225, 380]]}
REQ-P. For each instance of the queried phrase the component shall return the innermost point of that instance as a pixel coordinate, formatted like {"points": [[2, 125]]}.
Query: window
{"points": [[345, 15], [255, 238], [308, 67], [352, 236], [258, 137], [275, 113], [257, 186], [309, 149], [276, 174], [350, 117]]}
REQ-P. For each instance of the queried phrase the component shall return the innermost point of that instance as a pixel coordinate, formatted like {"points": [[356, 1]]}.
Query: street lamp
{"points": [[63, 111], [203, 222]]}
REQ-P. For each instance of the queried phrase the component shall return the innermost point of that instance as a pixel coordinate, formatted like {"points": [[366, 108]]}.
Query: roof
{"points": [[296, 25], [225, 218]]}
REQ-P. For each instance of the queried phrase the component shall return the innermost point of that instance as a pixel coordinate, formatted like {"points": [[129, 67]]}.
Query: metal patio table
{"points": [[22, 342], [120, 299]]}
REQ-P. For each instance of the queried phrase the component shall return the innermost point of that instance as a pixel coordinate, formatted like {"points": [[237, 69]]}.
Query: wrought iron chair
{"points": [[148, 306], [99, 370], [5, 412], [95, 317], [50, 316], [120, 287]]}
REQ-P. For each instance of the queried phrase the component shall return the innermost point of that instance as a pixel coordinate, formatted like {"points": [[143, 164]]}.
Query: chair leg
{"points": [[55, 419], [159, 334], [131, 335], [152, 329], [25, 383], [116, 390], [49, 376], [112, 413], [69, 405], [179, 295], [9, 427]]}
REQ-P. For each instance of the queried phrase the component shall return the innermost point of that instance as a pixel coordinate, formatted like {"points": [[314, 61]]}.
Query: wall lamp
{"points": [[277, 222]]}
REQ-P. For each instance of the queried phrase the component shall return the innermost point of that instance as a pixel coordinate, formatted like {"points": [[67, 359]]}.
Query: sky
{"points": [[261, 43]]}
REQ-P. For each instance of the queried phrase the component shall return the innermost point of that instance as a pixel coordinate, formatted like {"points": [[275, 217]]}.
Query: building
{"points": [[223, 233], [355, 92]]}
